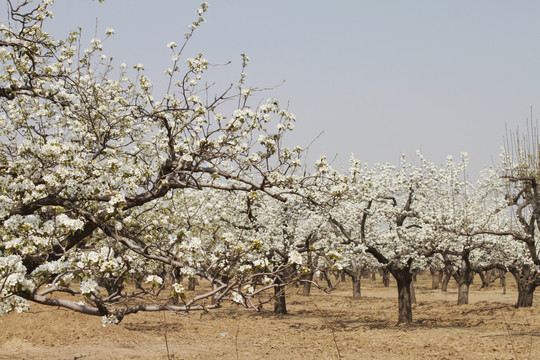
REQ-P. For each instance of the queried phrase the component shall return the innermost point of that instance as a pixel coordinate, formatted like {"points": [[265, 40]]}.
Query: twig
{"points": [[530, 336], [236, 340], [165, 335], [327, 323], [510, 335]]}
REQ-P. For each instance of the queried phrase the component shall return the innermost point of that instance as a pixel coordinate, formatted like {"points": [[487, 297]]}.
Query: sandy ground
{"points": [[321, 326]]}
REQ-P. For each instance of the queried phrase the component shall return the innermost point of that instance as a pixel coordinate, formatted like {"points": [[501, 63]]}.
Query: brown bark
{"points": [[280, 305], [306, 291], [463, 293], [463, 275], [446, 280], [413, 293], [525, 295], [404, 280], [436, 278], [356, 285], [527, 281], [307, 284], [485, 276], [386, 277], [191, 283], [464, 279], [216, 297], [356, 273], [327, 278]]}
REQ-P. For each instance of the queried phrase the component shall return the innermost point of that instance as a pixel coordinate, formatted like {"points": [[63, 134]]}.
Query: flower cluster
{"points": [[108, 320]]}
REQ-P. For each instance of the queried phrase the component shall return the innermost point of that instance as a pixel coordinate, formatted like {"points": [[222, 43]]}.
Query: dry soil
{"points": [[321, 326]]}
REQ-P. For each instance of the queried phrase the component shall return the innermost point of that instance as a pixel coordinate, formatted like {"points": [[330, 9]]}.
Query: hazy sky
{"points": [[380, 78]]}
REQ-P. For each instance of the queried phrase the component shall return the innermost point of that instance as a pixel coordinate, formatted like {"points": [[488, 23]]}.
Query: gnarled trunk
{"points": [[526, 282], [485, 276], [464, 275], [464, 279], [280, 306], [404, 282], [436, 278], [446, 280], [525, 294]]}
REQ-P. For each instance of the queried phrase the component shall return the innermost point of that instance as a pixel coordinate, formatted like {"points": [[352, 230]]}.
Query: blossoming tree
{"points": [[382, 213], [464, 213], [95, 171], [521, 170]]}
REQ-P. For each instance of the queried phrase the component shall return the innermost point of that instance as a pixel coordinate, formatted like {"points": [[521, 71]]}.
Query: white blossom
{"points": [[109, 320], [295, 258], [88, 286], [154, 280], [178, 288], [237, 298]]}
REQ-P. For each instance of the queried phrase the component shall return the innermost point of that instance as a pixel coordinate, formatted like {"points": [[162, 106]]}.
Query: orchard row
{"points": [[111, 196]]}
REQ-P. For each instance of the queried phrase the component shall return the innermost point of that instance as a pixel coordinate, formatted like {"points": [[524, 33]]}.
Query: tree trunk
{"points": [[280, 306], [312, 265], [327, 278], [356, 284], [413, 293], [485, 276], [215, 296], [464, 278], [176, 278], [463, 293], [501, 275], [386, 277], [446, 280], [404, 282], [307, 284], [526, 283], [191, 283], [436, 278], [525, 294]]}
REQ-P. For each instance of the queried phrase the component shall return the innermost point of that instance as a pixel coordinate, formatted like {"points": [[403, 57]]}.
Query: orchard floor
{"points": [[321, 326]]}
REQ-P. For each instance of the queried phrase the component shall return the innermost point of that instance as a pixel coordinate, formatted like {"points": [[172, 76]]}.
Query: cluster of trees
{"points": [[111, 197], [419, 216]]}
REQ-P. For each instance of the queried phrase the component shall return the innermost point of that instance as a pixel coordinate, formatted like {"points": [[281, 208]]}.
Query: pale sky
{"points": [[380, 78]]}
